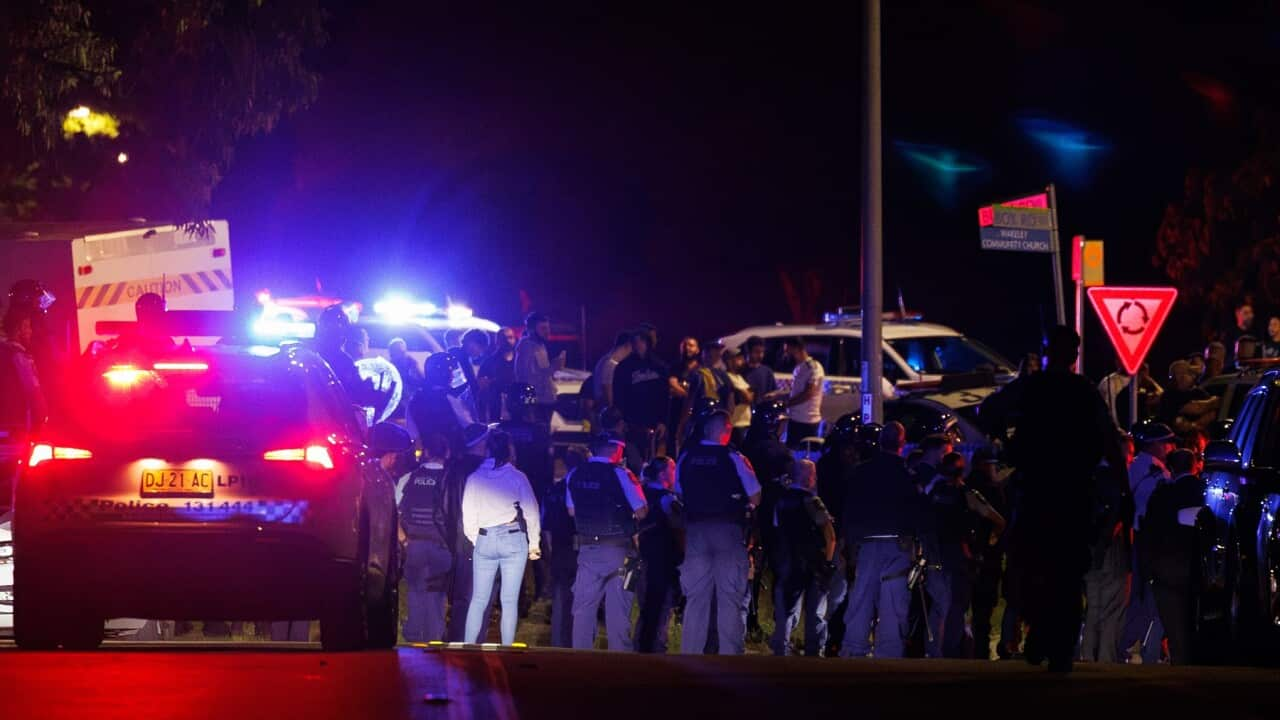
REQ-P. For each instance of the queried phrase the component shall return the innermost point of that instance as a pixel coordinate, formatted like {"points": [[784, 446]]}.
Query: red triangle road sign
{"points": [[1132, 317]]}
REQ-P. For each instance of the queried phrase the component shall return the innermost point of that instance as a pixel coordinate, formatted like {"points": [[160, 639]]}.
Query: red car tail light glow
{"points": [[125, 376], [312, 454], [42, 453]]}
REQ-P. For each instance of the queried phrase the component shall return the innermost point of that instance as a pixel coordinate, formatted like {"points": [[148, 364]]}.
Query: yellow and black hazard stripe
{"points": [[189, 283]]}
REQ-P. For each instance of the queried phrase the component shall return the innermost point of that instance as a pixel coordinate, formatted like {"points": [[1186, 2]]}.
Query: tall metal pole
{"points": [[1055, 249], [1077, 251], [872, 221]]}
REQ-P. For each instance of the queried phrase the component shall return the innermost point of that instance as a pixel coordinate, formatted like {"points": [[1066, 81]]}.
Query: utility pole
{"points": [[872, 221]]}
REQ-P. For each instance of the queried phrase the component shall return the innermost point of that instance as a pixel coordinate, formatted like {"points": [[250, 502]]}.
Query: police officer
{"points": [[719, 487], [1170, 550], [662, 543], [1054, 410], [333, 327], [428, 559], [771, 460], [531, 439], [987, 477], [532, 442], [557, 525], [33, 298], [148, 337], [1107, 579], [959, 512], [1147, 473], [605, 501], [881, 519], [803, 562], [438, 408]]}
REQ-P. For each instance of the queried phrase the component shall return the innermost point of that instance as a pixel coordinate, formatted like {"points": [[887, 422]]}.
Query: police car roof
{"points": [[892, 330]]}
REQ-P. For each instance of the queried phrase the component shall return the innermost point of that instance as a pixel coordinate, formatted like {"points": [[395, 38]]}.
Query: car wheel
{"points": [[384, 615], [345, 624], [82, 632]]}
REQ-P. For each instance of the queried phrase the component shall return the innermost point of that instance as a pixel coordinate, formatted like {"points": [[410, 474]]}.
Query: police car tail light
{"points": [[42, 453], [125, 376], [317, 455]]}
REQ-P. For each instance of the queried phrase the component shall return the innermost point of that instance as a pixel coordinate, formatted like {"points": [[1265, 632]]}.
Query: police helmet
{"points": [[388, 437], [769, 413], [149, 307], [610, 417], [1150, 431], [442, 370], [519, 397], [868, 437], [705, 406], [846, 428], [30, 294], [333, 326]]}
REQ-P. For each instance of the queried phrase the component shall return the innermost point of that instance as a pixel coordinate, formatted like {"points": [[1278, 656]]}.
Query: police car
{"points": [[920, 359], [220, 483]]}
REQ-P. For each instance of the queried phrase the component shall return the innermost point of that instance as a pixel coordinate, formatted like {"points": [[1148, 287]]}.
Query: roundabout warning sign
{"points": [[1132, 317]]}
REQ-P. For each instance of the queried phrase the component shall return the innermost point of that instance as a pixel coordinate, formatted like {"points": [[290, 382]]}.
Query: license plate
{"points": [[177, 482]]}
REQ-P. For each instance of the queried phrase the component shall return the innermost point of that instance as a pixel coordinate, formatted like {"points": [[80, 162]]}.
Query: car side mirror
{"points": [[1222, 455], [362, 420]]}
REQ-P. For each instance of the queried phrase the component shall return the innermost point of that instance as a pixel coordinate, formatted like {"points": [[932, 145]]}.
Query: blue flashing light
{"points": [[263, 351]]}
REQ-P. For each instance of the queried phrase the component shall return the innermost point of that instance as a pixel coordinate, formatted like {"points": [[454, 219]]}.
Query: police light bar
{"points": [[396, 308]]}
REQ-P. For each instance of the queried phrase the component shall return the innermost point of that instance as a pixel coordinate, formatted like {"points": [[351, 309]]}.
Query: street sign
{"points": [[1132, 317], [1086, 262], [1019, 240], [1015, 217]]}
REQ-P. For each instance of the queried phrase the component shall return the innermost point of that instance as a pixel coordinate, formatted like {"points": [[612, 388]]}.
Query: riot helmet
{"points": [[333, 327], [520, 397], [30, 294], [444, 372]]}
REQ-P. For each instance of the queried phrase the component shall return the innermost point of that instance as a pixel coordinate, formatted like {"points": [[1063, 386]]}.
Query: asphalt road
{"points": [[188, 680]]}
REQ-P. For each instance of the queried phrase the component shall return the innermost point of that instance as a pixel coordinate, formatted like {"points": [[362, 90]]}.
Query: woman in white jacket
{"points": [[500, 517]]}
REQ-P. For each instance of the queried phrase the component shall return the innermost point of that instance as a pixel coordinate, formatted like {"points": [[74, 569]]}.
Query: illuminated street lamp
{"points": [[122, 158]]}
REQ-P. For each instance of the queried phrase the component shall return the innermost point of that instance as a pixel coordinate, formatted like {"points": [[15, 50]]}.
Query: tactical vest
{"points": [[600, 507], [800, 538], [422, 508], [657, 539], [712, 489]]}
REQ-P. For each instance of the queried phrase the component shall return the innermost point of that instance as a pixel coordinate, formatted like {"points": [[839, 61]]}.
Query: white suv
{"points": [[920, 359]]}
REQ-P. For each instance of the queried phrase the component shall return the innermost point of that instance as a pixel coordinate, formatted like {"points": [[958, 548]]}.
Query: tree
{"points": [[1222, 242], [186, 80]]}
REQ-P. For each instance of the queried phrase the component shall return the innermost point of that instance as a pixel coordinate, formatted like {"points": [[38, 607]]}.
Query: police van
{"points": [[96, 271], [921, 360]]}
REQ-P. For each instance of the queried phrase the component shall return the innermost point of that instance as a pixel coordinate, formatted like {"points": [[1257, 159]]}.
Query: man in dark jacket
{"points": [[1053, 520], [1169, 548], [803, 562], [882, 519]]}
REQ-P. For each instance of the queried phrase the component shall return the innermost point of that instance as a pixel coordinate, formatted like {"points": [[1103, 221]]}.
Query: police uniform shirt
{"points": [[630, 486], [1145, 475], [745, 472], [670, 506]]}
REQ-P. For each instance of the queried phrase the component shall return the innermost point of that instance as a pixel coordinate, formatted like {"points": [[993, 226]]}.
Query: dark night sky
{"points": [[667, 164]]}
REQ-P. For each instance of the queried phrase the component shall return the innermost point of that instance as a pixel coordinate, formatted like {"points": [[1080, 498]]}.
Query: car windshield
{"points": [[949, 355]]}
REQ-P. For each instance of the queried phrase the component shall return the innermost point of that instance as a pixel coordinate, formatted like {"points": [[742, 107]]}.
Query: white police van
{"points": [[920, 360]]}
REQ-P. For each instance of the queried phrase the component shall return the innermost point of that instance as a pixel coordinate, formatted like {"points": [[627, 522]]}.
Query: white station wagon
{"points": [[920, 360]]}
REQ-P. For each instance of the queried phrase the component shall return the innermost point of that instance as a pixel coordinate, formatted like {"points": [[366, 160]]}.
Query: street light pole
{"points": [[872, 221]]}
